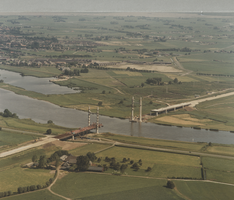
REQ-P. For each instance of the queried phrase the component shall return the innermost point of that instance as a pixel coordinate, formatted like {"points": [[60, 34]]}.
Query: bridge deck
{"points": [[181, 105], [77, 132]]}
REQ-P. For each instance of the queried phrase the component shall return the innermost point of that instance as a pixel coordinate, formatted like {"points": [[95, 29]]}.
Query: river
{"points": [[41, 111]]}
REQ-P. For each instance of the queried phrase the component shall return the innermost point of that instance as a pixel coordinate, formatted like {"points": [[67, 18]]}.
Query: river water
{"points": [[40, 85], [41, 111]]}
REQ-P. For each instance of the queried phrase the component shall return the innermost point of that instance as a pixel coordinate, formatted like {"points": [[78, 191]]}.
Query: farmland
{"points": [[109, 58], [121, 53]]}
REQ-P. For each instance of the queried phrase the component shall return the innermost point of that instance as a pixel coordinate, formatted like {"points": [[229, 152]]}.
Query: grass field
{"points": [[16, 177], [30, 125], [38, 195], [162, 164], [228, 150], [205, 191], [12, 138], [79, 185], [90, 147], [154, 142], [218, 169]]}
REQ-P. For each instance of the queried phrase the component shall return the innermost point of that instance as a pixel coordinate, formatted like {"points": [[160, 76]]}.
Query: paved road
{"points": [[42, 141], [195, 102]]}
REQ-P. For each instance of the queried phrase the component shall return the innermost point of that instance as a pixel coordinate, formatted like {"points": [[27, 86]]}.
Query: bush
{"points": [[148, 169], [99, 103], [48, 131]]}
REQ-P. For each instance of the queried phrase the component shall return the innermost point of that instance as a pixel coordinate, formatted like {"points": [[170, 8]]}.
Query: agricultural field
{"points": [[163, 164], [199, 191], [121, 53], [79, 185]]}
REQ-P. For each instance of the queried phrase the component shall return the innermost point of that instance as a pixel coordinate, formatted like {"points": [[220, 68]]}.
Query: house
{"points": [[63, 158]]}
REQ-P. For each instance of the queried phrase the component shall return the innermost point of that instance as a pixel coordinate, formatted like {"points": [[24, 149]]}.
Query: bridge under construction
{"points": [[78, 132], [82, 131]]}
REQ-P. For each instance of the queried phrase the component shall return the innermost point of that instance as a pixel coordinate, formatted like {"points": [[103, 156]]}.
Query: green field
{"points": [[16, 177], [29, 125], [79, 185], [13, 138], [205, 191], [162, 164], [154, 142], [90, 147]]}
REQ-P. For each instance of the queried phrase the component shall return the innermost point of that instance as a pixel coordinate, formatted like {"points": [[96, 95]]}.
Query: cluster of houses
{"points": [[42, 62], [68, 162]]}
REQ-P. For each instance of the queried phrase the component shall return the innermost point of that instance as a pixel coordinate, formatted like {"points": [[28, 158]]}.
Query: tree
{"points": [[20, 190], [175, 80], [91, 156], [82, 163], [123, 167], [7, 113], [99, 103], [135, 166], [49, 122], [103, 92], [42, 162], [32, 187], [34, 158], [48, 131], [116, 166], [9, 193], [170, 184]]}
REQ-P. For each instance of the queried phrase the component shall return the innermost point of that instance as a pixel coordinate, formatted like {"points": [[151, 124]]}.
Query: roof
{"points": [[63, 157], [71, 159], [95, 169]]}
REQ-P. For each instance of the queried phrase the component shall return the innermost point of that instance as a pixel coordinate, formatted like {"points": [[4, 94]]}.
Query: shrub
{"points": [[148, 169]]}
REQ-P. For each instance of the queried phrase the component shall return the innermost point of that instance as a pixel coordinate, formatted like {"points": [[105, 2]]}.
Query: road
{"points": [[56, 178], [40, 142], [195, 102]]}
